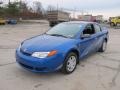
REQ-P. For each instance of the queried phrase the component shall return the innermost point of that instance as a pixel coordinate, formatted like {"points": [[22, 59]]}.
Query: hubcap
{"points": [[71, 64], [104, 46]]}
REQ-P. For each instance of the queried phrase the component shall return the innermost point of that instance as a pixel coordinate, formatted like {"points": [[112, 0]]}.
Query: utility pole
{"points": [[9, 2], [82, 12], [74, 12], [57, 6]]}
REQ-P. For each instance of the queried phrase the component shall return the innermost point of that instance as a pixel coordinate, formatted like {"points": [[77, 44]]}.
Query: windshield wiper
{"points": [[58, 35]]}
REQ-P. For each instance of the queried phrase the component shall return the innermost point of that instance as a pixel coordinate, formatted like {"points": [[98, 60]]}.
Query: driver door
{"points": [[87, 42]]}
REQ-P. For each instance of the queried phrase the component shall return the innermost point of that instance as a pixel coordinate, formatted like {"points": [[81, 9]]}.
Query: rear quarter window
{"points": [[97, 28]]}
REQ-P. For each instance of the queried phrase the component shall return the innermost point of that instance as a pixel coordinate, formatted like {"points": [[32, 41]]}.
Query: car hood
{"points": [[44, 43]]}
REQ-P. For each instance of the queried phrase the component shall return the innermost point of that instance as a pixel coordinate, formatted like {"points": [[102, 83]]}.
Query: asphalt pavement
{"points": [[100, 71]]}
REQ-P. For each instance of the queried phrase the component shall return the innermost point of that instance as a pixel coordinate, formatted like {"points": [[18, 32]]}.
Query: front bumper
{"points": [[2, 22], [49, 64]]}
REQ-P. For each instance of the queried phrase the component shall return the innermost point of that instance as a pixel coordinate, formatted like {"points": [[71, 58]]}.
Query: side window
{"points": [[97, 28], [89, 29]]}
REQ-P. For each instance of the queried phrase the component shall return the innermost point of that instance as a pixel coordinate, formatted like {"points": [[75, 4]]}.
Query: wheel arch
{"points": [[74, 51], [106, 39]]}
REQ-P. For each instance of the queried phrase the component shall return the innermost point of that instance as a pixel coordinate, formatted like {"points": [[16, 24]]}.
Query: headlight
{"points": [[19, 47], [44, 54]]}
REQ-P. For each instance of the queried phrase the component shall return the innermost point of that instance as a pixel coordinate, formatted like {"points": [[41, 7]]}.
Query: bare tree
{"points": [[31, 9], [38, 7], [23, 7]]}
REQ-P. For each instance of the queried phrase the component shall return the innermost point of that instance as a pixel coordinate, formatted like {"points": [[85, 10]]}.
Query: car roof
{"points": [[80, 22]]}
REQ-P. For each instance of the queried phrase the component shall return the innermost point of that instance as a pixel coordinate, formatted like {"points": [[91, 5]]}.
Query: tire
{"points": [[51, 24], [103, 47], [70, 63], [116, 24], [112, 24], [3, 24]]}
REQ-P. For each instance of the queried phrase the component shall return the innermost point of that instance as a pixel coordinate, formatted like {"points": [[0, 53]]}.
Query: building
{"points": [[85, 17], [98, 18]]}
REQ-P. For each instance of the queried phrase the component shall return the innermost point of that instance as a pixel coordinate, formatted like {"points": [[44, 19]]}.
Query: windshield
{"points": [[65, 29]]}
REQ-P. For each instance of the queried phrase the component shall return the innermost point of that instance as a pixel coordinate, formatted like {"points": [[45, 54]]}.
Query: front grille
{"points": [[32, 68], [40, 69], [26, 66], [25, 52]]}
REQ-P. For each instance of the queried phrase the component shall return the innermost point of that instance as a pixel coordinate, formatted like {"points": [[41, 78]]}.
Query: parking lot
{"points": [[100, 71]]}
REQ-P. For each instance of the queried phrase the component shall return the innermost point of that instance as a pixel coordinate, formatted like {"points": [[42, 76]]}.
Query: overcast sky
{"points": [[105, 7]]}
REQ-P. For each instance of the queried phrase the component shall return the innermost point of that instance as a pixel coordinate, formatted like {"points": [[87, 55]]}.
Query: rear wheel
{"points": [[104, 46], [70, 63]]}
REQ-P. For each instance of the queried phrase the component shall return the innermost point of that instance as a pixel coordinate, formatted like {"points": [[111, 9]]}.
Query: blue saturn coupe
{"points": [[62, 47]]}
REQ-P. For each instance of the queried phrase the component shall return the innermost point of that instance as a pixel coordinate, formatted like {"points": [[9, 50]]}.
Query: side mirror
{"points": [[85, 36]]}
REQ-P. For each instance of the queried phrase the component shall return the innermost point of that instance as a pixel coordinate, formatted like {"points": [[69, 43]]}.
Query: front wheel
{"points": [[70, 63]]}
